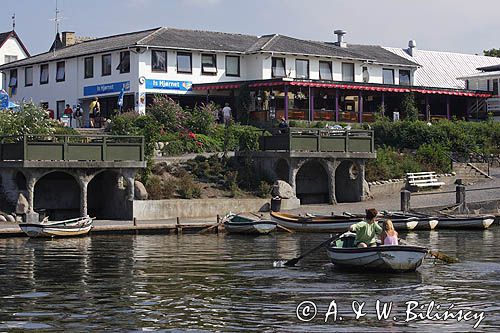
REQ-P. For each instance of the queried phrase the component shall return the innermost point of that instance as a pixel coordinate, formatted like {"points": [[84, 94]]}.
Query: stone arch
{"points": [[312, 183], [107, 196], [57, 195], [347, 179], [282, 170]]}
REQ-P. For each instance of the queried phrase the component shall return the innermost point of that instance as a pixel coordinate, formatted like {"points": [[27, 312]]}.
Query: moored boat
{"points": [[67, 228], [334, 223], [466, 222], [392, 258], [235, 223]]}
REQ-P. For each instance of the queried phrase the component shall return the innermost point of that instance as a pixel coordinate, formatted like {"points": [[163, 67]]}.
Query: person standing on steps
{"points": [[94, 111], [226, 113]]}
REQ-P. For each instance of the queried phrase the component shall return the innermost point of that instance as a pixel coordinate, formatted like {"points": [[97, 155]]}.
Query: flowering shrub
{"points": [[30, 119], [168, 113]]}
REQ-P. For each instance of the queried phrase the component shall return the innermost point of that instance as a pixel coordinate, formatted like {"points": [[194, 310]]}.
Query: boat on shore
{"points": [[235, 223], [67, 228], [390, 258], [334, 223], [466, 222]]}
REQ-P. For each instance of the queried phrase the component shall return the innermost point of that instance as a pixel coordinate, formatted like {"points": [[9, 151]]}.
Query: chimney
{"points": [[340, 38], [412, 47], [68, 38]]}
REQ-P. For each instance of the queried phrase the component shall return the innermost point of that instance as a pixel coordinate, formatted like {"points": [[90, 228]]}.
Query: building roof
{"points": [[182, 39], [4, 36], [482, 75], [490, 68], [443, 69]]}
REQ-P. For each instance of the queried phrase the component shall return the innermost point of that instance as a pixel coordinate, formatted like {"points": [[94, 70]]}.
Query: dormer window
{"points": [[208, 64], [278, 67]]}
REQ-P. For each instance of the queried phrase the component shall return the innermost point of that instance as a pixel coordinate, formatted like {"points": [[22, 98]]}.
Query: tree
{"points": [[492, 53], [409, 108]]}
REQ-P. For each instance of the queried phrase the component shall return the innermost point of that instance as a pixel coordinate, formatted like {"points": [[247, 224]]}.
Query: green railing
{"points": [[320, 140], [71, 148]]}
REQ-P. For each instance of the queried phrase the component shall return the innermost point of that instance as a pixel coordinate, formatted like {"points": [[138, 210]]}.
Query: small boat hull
{"points": [[242, 225], [466, 222], [394, 258], [331, 223], [68, 228]]}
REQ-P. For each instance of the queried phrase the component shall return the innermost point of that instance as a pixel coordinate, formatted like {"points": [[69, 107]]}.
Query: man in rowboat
{"points": [[367, 231]]}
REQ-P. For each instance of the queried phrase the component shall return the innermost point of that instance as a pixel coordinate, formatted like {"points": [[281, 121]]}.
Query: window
{"points": [[466, 84], [184, 64], [44, 74], [124, 65], [325, 70], [158, 61], [366, 75], [388, 76], [232, 65], [89, 67], [347, 72], [208, 64], [404, 77], [28, 76], [302, 69], [278, 67], [10, 58], [60, 71], [495, 87], [106, 65], [13, 78]]}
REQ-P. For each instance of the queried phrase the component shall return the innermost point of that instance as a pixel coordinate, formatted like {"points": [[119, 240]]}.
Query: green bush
{"points": [[29, 119], [187, 188], [201, 120], [167, 112], [434, 157], [390, 164], [264, 190]]}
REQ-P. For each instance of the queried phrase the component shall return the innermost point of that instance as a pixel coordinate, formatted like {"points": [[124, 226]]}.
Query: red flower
{"points": [[199, 144], [192, 135]]}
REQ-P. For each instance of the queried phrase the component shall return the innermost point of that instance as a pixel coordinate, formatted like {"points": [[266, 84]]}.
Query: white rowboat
{"points": [[66, 228]]}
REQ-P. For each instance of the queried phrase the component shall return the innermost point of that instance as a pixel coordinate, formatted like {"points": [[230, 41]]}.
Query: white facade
{"points": [[11, 50], [139, 79]]}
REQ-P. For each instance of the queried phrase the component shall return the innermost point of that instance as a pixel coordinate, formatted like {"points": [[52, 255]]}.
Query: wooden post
{"points": [[360, 106], [311, 104], [178, 225], [383, 103], [286, 102], [448, 111], [218, 224], [405, 201], [460, 192]]}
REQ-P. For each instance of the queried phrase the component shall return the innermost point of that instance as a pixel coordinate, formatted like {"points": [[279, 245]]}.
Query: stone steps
{"points": [[466, 172]]}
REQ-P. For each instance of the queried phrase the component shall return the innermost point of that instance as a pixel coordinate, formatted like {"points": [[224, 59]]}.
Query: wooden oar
{"points": [[437, 254], [294, 261]]}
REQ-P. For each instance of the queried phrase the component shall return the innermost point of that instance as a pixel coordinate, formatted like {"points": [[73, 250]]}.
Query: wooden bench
{"points": [[418, 180]]}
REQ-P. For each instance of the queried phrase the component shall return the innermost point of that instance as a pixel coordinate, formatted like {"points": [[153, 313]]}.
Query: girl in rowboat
{"points": [[389, 236], [367, 231]]}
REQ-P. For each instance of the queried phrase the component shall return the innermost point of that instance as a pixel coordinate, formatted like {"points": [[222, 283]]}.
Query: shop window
{"points": [[106, 65], [158, 61], [278, 67], [325, 70], [302, 69], [184, 63], [60, 71], [89, 67], [347, 72], [44, 74], [28, 76], [124, 65], [388, 76], [208, 64], [232, 66], [13, 78]]}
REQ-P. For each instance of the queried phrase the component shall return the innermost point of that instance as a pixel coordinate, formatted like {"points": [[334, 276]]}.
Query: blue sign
{"points": [[107, 88], [169, 85]]}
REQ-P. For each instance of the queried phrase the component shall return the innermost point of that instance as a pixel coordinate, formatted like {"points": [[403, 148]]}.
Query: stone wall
{"points": [[195, 208]]}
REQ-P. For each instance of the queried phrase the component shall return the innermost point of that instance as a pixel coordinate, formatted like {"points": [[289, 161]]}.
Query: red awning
{"points": [[222, 86]]}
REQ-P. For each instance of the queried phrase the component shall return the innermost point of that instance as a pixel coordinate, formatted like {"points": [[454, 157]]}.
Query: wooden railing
{"points": [[71, 148], [320, 140]]}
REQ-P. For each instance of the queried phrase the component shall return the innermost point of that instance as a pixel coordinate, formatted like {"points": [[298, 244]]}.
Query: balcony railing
{"points": [[320, 140], [71, 148]]}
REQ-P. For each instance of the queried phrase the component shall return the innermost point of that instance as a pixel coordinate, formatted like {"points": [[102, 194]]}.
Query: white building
{"points": [[11, 49], [287, 76], [488, 78]]}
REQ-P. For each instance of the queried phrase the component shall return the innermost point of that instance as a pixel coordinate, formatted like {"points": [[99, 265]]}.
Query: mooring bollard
{"points": [[178, 225], [460, 191], [135, 222], [405, 201]]}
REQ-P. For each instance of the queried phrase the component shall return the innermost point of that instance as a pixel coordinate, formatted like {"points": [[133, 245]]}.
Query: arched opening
{"points": [[282, 170], [107, 197], [21, 181], [347, 180], [57, 195], [312, 183]]}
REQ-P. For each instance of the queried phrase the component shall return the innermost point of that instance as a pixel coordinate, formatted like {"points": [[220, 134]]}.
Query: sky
{"points": [[441, 25]]}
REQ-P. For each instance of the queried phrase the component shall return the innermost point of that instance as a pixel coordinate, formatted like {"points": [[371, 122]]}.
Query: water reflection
{"points": [[228, 283]]}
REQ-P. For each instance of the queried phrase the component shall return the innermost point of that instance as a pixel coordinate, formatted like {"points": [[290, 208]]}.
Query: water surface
{"points": [[228, 283]]}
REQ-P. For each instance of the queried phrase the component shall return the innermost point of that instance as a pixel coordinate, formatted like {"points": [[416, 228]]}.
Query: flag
{"points": [[4, 99], [120, 98]]}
